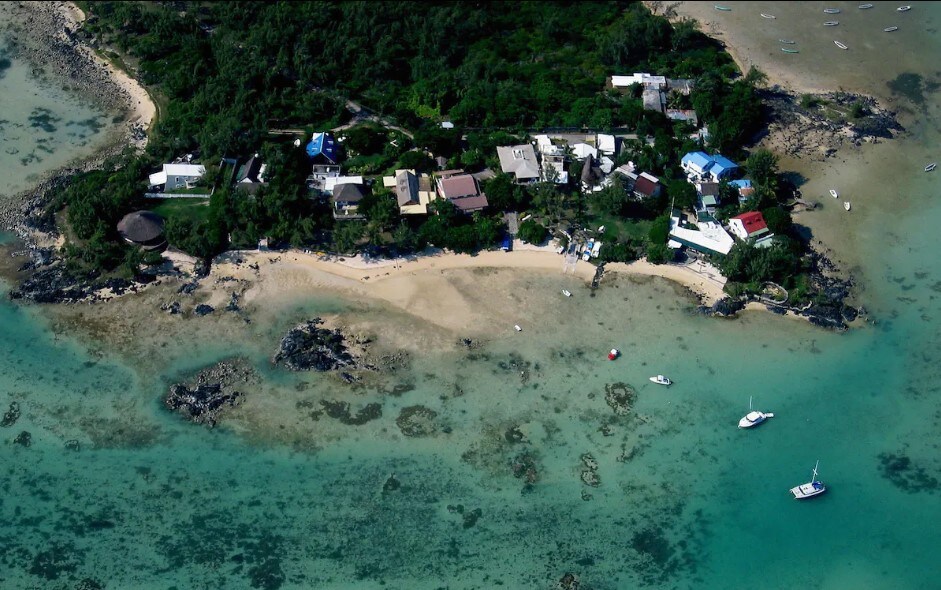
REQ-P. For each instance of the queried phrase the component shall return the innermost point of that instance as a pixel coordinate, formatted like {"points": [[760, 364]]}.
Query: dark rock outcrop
{"points": [[308, 347], [205, 398], [11, 416], [203, 309]]}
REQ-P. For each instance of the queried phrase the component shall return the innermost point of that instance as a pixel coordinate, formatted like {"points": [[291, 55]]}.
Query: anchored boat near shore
{"points": [[890, 29], [846, 205], [840, 45], [725, 8], [787, 41], [660, 379], [832, 10], [865, 6], [763, 15], [931, 167], [831, 23], [834, 194], [786, 50], [904, 8]]}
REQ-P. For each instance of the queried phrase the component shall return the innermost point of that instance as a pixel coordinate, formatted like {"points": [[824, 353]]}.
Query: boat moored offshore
{"points": [[809, 489]]}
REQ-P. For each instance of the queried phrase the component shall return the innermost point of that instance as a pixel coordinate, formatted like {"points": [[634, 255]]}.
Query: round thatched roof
{"points": [[141, 227]]}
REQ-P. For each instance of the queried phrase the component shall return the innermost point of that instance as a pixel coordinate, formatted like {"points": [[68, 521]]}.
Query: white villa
{"points": [[174, 176]]}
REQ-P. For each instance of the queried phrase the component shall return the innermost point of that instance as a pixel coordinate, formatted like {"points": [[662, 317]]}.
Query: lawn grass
{"points": [[195, 210]]}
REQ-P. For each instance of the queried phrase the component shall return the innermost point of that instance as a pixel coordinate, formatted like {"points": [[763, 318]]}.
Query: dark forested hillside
{"points": [[229, 69]]}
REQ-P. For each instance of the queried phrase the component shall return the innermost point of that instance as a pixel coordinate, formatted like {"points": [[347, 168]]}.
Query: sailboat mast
{"points": [[814, 478]]}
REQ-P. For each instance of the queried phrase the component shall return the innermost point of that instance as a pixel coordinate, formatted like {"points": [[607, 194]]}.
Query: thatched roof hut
{"points": [[144, 229]]}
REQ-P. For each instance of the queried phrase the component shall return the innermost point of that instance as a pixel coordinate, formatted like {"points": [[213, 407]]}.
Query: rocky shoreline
{"points": [[828, 310], [43, 35], [817, 126]]}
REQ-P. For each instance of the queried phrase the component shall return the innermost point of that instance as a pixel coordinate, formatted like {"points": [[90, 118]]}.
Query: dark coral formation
{"points": [[211, 392], [417, 421], [308, 347], [620, 396]]}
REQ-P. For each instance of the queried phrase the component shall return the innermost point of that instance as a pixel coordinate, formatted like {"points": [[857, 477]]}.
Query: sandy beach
{"points": [[143, 108]]}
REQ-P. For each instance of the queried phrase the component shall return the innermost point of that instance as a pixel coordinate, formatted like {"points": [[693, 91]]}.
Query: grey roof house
{"points": [[520, 161]]}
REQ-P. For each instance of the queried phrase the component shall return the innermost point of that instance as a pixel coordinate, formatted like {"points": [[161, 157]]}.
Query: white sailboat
{"points": [[753, 417], [809, 489]]}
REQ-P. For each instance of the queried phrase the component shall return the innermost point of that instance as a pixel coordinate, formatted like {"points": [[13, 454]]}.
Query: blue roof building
{"points": [[700, 165], [722, 167], [323, 147], [740, 183], [697, 162]]}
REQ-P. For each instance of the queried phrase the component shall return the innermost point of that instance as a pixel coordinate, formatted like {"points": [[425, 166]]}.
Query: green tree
{"points": [[347, 234], [682, 193], [612, 199], [532, 232]]}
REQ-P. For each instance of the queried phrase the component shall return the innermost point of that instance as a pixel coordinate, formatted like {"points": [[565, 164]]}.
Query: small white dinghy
{"points": [[890, 29], [846, 205], [904, 8], [931, 167], [832, 10], [753, 417], [763, 15], [831, 23], [809, 489], [517, 328], [566, 292], [840, 45], [834, 194], [660, 379]]}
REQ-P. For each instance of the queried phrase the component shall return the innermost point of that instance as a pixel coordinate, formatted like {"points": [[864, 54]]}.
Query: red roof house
{"points": [[748, 225]]}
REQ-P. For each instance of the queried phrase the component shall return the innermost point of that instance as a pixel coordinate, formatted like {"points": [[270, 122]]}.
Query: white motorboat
{"points": [[517, 328], [763, 15], [865, 6], [661, 380], [904, 8], [787, 41], [834, 194], [566, 292], [809, 489], [840, 45], [832, 10], [753, 417], [890, 29], [931, 167], [831, 23], [846, 205]]}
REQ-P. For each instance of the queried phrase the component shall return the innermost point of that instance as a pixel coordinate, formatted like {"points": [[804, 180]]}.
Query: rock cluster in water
{"points": [[308, 347], [620, 397], [11, 416], [417, 421], [213, 391]]}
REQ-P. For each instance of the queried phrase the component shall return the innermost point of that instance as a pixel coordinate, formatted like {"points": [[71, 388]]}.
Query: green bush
{"points": [[532, 232]]}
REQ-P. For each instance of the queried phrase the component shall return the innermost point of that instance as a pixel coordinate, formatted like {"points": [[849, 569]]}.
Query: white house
{"points": [[174, 176], [583, 150], [709, 238], [645, 80], [607, 144]]}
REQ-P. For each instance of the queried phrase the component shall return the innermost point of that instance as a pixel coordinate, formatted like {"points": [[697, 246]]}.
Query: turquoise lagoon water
{"points": [[42, 125], [141, 499]]}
